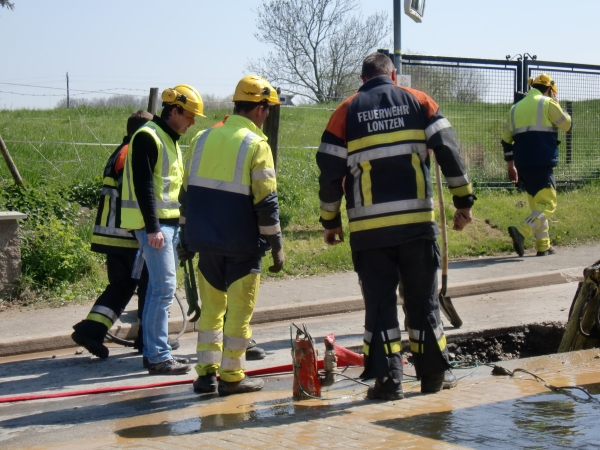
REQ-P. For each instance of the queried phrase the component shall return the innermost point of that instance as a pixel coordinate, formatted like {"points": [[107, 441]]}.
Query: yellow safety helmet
{"points": [[185, 96], [253, 88], [545, 80]]}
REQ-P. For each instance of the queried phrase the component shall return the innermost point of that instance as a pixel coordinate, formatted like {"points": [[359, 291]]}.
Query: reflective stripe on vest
{"points": [[236, 186], [359, 168], [107, 232], [165, 192], [539, 121]]}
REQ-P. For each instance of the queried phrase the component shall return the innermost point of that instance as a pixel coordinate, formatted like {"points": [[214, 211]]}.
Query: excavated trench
{"points": [[504, 344]]}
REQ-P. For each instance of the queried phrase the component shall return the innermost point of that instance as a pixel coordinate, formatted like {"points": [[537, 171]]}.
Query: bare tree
{"points": [[7, 4], [318, 45]]}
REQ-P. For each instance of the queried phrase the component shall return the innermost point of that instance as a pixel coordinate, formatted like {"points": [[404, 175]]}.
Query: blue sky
{"points": [[133, 45]]}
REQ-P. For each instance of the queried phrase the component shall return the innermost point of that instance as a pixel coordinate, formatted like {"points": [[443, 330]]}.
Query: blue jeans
{"points": [[162, 281]]}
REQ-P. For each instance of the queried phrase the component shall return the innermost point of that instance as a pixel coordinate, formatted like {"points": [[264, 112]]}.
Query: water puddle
{"points": [[547, 420]]}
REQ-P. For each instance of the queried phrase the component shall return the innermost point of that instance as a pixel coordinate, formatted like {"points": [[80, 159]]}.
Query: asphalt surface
{"points": [[30, 330], [488, 293]]}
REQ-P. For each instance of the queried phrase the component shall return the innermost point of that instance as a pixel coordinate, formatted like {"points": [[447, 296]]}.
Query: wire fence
{"points": [[475, 95]]}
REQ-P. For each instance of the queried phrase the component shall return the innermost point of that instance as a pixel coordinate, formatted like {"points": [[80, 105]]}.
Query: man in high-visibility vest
{"points": [[530, 142], [120, 247], [151, 182], [230, 212]]}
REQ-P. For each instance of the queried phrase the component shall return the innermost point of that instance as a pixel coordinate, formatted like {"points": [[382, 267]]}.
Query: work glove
{"points": [[276, 251], [183, 252]]}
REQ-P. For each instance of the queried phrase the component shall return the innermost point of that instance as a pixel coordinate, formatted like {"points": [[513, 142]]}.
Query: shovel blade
{"points": [[448, 309]]}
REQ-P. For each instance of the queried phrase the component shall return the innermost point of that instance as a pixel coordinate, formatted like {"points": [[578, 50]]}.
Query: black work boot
{"points": [[206, 383], [550, 251], [518, 240], [169, 367], [430, 384], [239, 387], [254, 353], [93, 346], [385, 390], [173, 343], [146, 362]]}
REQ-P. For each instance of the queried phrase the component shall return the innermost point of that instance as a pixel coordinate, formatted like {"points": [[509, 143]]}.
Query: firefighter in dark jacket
{"points": [[530, 143], [230, 215], [120, 247], [375, 149]]}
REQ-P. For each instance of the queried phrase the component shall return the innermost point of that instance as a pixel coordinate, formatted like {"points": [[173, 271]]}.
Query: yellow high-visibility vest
{"points": [[167, 177]]}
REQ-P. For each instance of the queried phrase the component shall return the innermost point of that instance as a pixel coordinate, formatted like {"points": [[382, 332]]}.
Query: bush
{"points": [[52, 254], [40, 203], [86, 193]]}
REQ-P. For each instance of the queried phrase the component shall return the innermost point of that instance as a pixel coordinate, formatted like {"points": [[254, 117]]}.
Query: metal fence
{"points": [[476, 96]]}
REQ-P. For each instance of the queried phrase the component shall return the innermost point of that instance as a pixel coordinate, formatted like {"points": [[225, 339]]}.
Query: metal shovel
{"points": [[445, 302]]}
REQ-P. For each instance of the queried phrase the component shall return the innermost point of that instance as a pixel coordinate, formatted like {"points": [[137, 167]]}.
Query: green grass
{"points": [[478, 126]]}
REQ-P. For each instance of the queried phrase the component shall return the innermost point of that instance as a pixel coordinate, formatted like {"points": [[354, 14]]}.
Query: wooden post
{"points": [[68, 101], [569, 135], [153, 101], [271, 129], [10, 163]]}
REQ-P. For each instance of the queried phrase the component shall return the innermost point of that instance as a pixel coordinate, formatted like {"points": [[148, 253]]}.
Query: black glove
{"points": [[183, 253], [276, 251]]}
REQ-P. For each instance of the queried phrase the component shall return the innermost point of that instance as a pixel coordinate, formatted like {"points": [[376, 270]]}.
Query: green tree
{"points": [[7, 4], [318, 45]]}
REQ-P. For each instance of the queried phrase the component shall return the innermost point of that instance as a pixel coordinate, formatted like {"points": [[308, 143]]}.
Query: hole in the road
{"points": [[505, 344]]}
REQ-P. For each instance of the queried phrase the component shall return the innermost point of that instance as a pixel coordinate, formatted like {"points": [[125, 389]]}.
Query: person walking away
{"points": [[530, 143], [151, 182], [230, 215], [119, 246], [375, 148]]}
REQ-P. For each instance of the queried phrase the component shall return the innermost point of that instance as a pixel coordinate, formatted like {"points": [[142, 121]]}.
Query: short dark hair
{"points": [[540, 87], [246, 107], [168, 109], [136, 120], [376, 65]]}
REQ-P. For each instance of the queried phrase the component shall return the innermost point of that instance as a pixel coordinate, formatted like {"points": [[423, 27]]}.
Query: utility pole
{"points": [[397, 37], [68, 105]]}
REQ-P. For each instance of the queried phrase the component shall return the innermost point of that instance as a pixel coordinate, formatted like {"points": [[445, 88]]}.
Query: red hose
{"points": [[22, 398], [266, 371]]}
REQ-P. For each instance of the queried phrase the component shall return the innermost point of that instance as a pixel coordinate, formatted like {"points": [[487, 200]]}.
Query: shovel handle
{"points": [[438, 182]]}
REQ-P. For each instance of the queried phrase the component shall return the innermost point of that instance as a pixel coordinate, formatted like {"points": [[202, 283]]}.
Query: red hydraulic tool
{"points": [[310, 374]]}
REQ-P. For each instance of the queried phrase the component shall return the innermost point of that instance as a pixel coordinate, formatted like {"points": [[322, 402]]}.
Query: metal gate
{"points": [[476, 96]]}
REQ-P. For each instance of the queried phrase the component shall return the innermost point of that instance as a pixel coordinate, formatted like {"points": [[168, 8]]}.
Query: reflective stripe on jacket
{"points": [[229, 188], [530, 135], [167, 176], [377, 141], [108, 236]]}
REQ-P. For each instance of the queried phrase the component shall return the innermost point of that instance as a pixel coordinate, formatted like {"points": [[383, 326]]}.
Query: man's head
{"points": [[181, 105], [543, 83], [136, 120], [377, 65], [252, 97]]}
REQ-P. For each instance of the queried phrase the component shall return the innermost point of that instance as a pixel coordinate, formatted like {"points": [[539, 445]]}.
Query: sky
{"points": [[129, 46]]}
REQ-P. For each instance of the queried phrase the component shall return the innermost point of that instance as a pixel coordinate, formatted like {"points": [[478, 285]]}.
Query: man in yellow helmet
{"points": [[151, 182], [530, 143], [230, 215]]}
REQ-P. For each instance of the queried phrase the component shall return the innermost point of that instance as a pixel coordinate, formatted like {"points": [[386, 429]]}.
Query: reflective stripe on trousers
{"points": [[225, 317]]}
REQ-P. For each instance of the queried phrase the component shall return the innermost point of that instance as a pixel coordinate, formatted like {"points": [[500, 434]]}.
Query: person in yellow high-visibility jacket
{"points": [[230, 216], [530, 142]]}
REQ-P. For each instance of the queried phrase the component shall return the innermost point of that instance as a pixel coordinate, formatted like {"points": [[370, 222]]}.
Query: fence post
{"points": [[153, 101], [271, 129], [9, 162], [569, 134]]}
